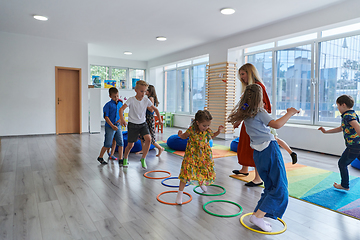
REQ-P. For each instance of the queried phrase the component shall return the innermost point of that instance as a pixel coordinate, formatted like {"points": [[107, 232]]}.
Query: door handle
{"points": [[59, 100]]}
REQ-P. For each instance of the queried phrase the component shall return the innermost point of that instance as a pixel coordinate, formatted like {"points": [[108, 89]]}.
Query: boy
{"points": [[351, 129], [112, 125], [137, 121]]}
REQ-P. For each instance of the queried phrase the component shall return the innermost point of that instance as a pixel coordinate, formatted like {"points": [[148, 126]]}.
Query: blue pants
{"points": [[110, 134], [270, 165], [349, 155]]}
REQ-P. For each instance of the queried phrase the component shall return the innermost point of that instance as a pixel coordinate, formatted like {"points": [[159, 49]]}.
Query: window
{"points": [[98, 75], [263, 63], [294, 81], [198, 87], [135, 75], [184, 88], [311, 76], [120, 75], [339, 73], [170, 91]]}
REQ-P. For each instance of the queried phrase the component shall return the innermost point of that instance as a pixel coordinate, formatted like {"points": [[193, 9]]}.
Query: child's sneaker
{"points": [[125, 163], [293, 157], [121, 162], [113, 157], [101, 160], [143, 163]]}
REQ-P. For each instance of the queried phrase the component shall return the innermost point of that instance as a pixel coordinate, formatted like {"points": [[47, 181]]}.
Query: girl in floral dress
{"points": [[198, 166]]}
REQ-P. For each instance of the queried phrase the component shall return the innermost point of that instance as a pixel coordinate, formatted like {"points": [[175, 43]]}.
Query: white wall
{"points": [[27, 82]]}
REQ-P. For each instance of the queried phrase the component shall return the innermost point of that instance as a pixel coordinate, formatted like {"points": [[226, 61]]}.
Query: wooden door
{"points": [[68, 100]]}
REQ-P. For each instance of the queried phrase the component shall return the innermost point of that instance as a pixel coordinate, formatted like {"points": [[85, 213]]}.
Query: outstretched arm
{"points": [[333, 130], [221, 127], [278, 123], [157, 113], [184, 135]]}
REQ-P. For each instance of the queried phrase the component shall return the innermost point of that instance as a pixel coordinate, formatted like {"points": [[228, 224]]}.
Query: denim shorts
{"points": [[134, 130], [110, 134]]}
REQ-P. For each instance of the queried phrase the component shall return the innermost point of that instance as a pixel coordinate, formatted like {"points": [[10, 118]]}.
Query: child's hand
{"points": [[292, 111], [236, 125], [115, 128], [322, 129], [180, 133], [161, 123], [123, 122], [221, 127]]}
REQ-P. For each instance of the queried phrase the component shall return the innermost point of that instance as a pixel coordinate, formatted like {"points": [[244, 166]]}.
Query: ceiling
{"points": [[111, 27]]}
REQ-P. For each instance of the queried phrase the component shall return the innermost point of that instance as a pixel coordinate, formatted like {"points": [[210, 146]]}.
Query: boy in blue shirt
{"points": [[112, 125], [351, 130]]}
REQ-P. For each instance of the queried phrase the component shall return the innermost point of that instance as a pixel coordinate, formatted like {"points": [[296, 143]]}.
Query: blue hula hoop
{"points": [[167, 185]]}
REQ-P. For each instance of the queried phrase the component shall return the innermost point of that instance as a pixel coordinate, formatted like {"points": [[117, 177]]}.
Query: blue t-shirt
{"points": [[350, 135], [111, 110], [257, 128]]}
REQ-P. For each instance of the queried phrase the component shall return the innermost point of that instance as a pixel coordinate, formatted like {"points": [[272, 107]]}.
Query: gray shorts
{"points": [[134, 130]]}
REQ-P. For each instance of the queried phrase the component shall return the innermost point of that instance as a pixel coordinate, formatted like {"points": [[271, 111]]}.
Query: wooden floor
{"points": [[52, 187]]}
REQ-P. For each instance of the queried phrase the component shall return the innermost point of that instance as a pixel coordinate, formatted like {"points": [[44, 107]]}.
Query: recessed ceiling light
{"points": [[41, 18], [127, 53], [227, 11], [161, 38]]}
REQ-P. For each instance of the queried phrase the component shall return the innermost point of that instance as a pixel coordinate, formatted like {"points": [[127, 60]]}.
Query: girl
{"points": [[150, 120], [197, 164], [248, 74], [267, 155]]}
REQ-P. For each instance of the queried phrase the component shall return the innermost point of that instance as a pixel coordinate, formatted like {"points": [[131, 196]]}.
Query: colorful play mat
{"points": [[315, 185]]}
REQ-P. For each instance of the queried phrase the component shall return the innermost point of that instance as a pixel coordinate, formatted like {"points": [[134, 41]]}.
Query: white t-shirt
{"points": [[137, 109]]}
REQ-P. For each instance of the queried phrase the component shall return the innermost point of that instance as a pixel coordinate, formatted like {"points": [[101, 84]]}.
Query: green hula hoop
{"points": [[207, 194], [218, 215]]}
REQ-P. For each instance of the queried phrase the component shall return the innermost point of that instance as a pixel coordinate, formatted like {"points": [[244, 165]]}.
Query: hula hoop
{"points": [[207, 194], [263, 232], [145, 174], [167, 185], [158, 198], [218, 215]]}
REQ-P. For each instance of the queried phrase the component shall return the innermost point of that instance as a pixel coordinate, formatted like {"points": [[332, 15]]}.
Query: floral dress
{"points": [[198, 166]]}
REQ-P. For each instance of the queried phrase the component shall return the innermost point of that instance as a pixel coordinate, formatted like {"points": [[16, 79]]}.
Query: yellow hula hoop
{"points": [[263, 232]]}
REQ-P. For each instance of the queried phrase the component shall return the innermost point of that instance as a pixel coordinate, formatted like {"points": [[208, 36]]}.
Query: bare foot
{"points": [[160, 151], [338, 186], [140, 152]]}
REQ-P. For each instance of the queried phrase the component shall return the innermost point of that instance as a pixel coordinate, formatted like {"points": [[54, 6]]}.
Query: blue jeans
{"points": [[349, 155], [110, 134], [270, 165]]}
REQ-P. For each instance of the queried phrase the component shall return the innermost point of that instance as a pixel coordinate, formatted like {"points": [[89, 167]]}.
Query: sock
{"points": [[261, 223], [143, 163], [203, 187], [179, 197], [125, 162]]}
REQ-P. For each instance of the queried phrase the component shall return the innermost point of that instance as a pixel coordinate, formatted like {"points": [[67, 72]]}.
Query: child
{"points": [[197, 164], [267, 156], [112, 125], [351, 129], [150, 120], [137, 122]]}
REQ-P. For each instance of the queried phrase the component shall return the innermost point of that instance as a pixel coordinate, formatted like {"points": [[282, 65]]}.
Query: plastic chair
{"points": [[158, 126], [169, 121]]}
